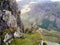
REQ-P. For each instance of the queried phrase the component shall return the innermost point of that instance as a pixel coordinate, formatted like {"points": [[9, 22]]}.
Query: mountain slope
{"points": [[25, 2], [45, 10]]}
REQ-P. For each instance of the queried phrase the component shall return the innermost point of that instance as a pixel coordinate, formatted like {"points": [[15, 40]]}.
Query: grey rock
{"points": [[10, 14], [3, 24], [8, 38], [9, 18]]}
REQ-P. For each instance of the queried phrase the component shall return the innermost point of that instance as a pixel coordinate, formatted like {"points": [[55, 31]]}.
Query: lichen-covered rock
{"points": [[3, 23], [11, 14], [10, 17], [8, 38]]}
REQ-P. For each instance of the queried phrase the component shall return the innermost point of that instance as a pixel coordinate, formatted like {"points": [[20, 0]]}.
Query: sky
{"points": [[38, 0]]}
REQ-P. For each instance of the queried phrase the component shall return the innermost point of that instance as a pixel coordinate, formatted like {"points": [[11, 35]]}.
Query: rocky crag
{"points": [[10, 16]]}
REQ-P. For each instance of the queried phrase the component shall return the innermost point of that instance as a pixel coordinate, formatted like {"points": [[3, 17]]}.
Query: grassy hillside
{"points": [[52, 36], [30, 39]]}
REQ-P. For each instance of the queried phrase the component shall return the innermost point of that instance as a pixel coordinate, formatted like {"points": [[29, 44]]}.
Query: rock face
{"points": [[10, 19], [8, 38], [9, 15], [3, 24]]}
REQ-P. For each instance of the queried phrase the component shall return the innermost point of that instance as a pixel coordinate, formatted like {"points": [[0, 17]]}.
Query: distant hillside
{"points": [[25, 2], [49, 11]]}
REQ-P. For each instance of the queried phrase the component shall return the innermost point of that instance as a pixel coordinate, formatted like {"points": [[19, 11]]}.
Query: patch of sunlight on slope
{"points": [[25, 9]]}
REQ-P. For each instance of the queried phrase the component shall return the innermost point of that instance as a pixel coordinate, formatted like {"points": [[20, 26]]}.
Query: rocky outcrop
{"points": [[8, 38], [10, 14], [10, 17], [3, 23]]}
